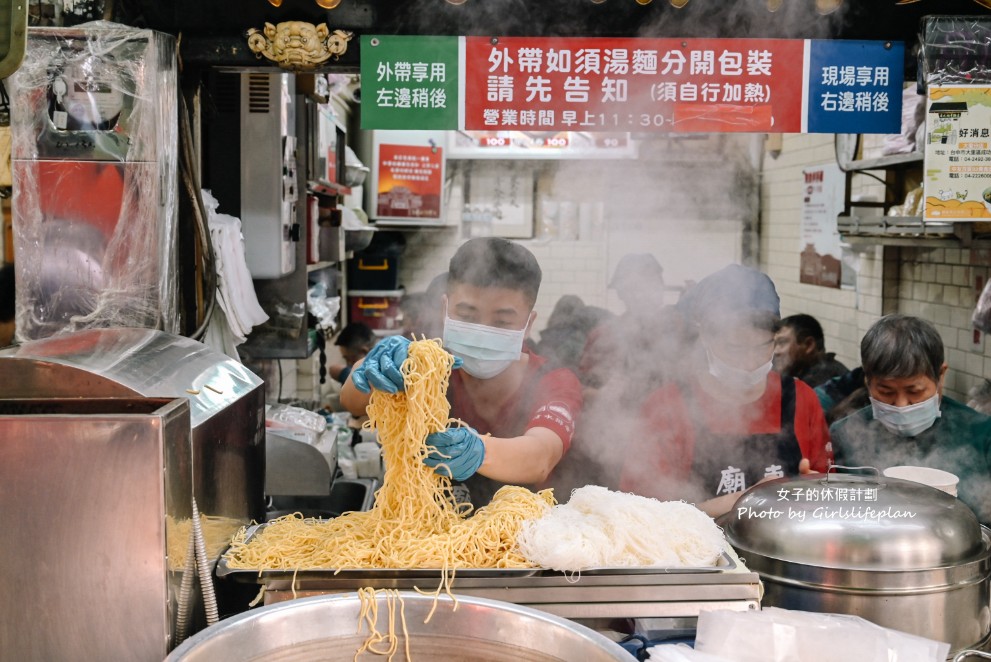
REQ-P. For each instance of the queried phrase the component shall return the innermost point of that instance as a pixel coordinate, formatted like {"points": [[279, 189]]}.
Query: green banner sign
{"points": [[409, 82]]}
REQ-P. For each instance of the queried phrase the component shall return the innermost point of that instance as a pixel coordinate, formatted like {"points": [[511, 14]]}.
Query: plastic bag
{"points": [[981, 319], [324, 308], [680, 653], [782, 635], [308, 425], [913, 114]]}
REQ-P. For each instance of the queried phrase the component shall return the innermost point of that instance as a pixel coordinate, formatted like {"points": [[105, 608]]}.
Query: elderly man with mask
{"points": [[910, 421], [521, 411], [731, 422]]}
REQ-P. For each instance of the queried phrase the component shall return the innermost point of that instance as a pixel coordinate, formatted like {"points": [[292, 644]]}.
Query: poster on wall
{"points": [[958, 153], [410, 181], [500, 195], [822, 200]]}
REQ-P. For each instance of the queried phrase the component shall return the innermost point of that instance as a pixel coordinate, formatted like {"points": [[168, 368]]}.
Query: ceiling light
{"points": [[828, 6], [326, 4]]}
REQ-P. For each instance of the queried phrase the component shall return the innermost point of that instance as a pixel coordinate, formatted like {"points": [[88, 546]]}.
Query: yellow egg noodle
{"points": [[217, 532], [416, 521], [369, 615]]}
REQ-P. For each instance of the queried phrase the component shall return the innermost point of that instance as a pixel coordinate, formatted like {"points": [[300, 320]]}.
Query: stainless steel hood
{"points": [[140, 361]]}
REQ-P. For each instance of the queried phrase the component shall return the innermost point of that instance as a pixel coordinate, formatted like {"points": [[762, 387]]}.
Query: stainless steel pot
{"points": [[324, 628], [898, 553]]}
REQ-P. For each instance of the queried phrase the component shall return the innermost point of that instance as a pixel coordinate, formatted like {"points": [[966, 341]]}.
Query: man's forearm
{"points": [[526, 459], [351, 398]]}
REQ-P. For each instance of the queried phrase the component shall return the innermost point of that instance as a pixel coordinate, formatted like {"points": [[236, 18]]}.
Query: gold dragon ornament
{"points": [[298, 45]]}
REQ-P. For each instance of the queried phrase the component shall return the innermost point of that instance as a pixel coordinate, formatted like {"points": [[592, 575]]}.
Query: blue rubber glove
{"points": [[463, 451], [380, 369]]}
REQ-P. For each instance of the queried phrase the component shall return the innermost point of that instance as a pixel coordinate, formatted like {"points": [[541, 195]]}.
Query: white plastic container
{"points": [[941, 480], [368, 459]]}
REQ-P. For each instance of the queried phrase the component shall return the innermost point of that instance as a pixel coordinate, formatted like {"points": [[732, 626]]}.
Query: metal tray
{"points": [[725, 563]]}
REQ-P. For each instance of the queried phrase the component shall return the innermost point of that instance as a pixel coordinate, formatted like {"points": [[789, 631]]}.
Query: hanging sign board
{"points": [[958, 153], [409, 82], [598, 84], [604, 84]]}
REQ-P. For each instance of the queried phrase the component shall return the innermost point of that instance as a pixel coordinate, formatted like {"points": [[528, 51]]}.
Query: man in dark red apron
{"points": [[731, 422]]}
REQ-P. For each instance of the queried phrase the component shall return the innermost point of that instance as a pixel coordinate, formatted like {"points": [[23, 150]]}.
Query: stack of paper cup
{"points": [[941, 480]]}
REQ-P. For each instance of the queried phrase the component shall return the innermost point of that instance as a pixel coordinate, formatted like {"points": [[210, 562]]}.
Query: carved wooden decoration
{"points": [[297, 45]]}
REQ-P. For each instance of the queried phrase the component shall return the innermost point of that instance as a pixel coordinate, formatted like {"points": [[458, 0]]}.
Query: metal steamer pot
{"points": [[898, 553], [325, 628]]}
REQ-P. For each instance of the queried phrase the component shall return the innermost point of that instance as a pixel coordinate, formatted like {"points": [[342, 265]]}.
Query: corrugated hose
{"points": [[185, 594], [204, 570]]}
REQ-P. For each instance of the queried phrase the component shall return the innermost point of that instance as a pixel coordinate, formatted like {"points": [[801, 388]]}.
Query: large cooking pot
{"points": [[901, 554], [325, 628]]}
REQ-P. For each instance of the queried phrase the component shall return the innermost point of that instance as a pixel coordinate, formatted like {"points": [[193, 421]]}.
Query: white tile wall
{"points": [[649, 208], [681, 200], [569, 267], [934, 283]]}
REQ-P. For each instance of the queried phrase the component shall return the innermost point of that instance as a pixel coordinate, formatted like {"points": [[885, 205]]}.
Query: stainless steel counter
{"points": [[607, 593]]}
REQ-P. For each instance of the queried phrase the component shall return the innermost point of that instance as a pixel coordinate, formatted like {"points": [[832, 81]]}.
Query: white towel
{"points": [[236, 296]]}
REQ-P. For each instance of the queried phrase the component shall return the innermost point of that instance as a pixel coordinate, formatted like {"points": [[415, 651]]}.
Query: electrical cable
{"points": [[845, 166], [187, 174]]}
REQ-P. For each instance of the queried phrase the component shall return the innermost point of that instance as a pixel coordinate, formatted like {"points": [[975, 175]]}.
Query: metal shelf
{"points": [[910, 231], [317, 266], [324, 187], [886, 162], [893, 225]]}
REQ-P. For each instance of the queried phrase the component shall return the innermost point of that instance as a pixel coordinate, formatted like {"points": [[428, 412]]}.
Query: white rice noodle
{"points": [[599, 528]]}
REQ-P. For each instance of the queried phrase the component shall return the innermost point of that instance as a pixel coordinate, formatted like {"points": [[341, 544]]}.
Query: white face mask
{"points": [[910, 420], [734, 377], [485, 350]]}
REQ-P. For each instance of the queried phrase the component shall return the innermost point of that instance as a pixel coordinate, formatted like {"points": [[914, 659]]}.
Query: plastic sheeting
{"points": [[94, 155], [956, 50], [783, 635]]}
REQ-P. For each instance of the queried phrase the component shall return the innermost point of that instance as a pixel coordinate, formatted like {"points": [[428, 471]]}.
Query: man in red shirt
{"points": [[732, 422], [521, 414]]}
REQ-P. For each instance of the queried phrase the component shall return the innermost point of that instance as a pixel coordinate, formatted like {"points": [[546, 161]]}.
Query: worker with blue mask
{"points": [[910, 420], [519, 412]]}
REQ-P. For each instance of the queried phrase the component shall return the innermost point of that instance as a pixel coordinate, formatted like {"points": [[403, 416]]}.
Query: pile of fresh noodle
{"points": [[217, 532], [598, 528], [415, 522]]}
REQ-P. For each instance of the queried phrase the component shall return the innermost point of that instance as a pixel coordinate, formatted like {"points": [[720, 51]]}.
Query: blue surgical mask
{"points": [[485, 350], [734, 377], [910, 420]]}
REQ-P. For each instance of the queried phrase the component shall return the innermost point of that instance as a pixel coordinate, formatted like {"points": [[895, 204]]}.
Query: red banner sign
{"points": [[627, 84]]}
